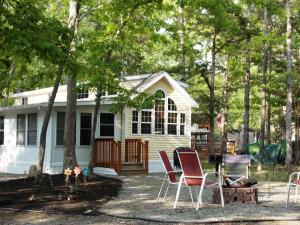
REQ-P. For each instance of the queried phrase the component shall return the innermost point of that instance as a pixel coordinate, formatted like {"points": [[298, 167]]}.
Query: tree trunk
{"points": [[269, 112], [212, 100], [42, 146], [263, 93], [9, 78], [297, 150], [70, 125], [245, 139], [288, 115], [224, 114], [93, 135], [297, 155]]}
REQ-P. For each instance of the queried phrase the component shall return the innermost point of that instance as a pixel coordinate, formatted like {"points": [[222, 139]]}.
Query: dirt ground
{"points": [[53, 195]]}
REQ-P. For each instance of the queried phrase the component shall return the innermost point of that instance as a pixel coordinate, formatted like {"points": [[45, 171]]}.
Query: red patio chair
{"points": [[170, 174], [192, 175], [293, 183]]}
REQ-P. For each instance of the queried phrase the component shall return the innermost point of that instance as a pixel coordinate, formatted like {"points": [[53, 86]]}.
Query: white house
{"points": [[164, 127]]}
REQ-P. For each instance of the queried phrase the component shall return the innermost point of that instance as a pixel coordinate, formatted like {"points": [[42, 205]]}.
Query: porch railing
{"points": [[107, 153], [136, 151]]}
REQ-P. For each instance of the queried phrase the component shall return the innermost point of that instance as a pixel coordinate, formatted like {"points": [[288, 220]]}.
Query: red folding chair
{"points": [[192, 175], [293, 182], [170, 174]]}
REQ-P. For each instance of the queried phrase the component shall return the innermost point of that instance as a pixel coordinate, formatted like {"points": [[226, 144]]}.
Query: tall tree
{"points": [[288, 115], [263, 93], [70, 125]]}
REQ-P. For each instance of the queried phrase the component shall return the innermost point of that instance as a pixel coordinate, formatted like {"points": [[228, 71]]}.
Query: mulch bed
{"points": [[52, 195]]}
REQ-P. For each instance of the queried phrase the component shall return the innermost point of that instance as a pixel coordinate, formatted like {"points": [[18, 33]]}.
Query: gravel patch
{"points": [[137, 199]]}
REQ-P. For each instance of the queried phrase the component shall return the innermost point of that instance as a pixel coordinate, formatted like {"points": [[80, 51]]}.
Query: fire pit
{"points": [[236, 194]]}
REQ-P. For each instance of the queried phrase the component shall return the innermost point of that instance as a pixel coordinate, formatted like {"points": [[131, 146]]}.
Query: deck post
{"points": [[146, 155]]}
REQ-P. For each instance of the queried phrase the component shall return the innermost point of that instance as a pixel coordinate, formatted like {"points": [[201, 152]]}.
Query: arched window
{"points": [[171, 105], [160, 113]]}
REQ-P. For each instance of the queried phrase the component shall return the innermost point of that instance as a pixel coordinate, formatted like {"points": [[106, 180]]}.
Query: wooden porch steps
{"points": [[131, 169]]}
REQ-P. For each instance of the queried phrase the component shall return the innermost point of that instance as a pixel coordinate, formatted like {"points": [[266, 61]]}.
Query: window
{"points": [[1, 130], [172, 123], [135, 120], [171, 105], [20, 129], [85, 128], [146, 122], [32, 129], [83, 92], [60, 128], [172, 117], [107, 124], [182, 123], [160, 113], [25, 101]]}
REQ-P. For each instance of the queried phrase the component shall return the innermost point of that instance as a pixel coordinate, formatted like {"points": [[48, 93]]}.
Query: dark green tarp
{"points": [[273, 153]]}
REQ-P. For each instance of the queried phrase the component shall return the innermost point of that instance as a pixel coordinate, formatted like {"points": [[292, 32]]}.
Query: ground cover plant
{"points": [[53, 194]]}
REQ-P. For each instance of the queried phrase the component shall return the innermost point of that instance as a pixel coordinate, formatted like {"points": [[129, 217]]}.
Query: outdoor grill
{"points": [[175, 156]]}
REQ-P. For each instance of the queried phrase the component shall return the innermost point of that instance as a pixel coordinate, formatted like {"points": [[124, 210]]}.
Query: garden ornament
{"points": [[67, 173], [77, 170], [86, 173]]}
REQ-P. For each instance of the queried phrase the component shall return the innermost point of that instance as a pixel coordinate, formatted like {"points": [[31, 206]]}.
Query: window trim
{"points": [[182, 124], [137, 122], [18, 130], [61, 129], [166, 118], [141, 123], [113, 125], [83, 93], [164, 114], [30, 130], [91, 115]]}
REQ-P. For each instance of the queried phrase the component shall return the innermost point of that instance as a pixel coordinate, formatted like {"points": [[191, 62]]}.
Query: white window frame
{"points": [[182, 124], [135, 122], [166, 117], [32, 130], [56, 128], [141, 123], [113, 125], [17, 130], [90, 114]]}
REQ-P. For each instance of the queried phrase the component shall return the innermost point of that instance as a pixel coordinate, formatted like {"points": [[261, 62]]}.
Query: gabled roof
{"points": [[148, 82], [137, 83]]}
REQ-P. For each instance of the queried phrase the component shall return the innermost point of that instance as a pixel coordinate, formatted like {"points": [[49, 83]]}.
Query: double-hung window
{"points": [[60, 127], [21, 129], [106, 125], [172, 117], [85, 128], [32, 129], [146, 122], [1, 130], [135, 122], [83, 92], [160, 113], [182, 123]]}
